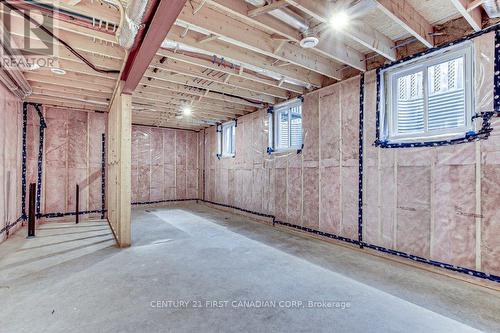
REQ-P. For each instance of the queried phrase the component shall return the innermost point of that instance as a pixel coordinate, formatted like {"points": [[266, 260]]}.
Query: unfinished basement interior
{"points": [[250, 166]]}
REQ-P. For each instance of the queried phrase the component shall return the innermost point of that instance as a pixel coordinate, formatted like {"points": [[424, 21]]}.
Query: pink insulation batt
{"points": [[165, 164], [430, 202]]}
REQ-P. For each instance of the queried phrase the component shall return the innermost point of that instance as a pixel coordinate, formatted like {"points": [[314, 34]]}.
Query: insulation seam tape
{"points": [[360, 157], [362, 244], [103, 176], [43, 125], [59, 214]]}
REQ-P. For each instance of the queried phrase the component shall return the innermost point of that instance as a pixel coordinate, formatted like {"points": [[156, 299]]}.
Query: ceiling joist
{"points": [[401, 12]]}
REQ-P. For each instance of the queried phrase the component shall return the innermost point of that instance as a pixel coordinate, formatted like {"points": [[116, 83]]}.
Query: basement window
{"points": [[286, 126], [429, 99], [228, 137]]}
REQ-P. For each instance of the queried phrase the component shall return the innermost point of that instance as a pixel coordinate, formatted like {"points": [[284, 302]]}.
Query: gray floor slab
{"points": [[193, 268]]}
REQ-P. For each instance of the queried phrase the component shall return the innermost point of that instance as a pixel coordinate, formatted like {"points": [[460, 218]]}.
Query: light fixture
{"points": [[339, 20], [186, 110], [57, 70], [309, 40]]}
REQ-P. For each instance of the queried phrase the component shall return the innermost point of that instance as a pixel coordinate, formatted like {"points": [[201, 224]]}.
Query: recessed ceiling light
{"points": [[58, 71], [309, 42], [339, 20]]}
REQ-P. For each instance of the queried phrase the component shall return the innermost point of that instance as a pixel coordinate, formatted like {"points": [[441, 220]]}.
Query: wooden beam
{"points": [[241, 35], [152, 99], [79, 67], [64, 102], [166, 123], [179, 97], [118, 161], [206, 63], [156, 109], [219, 77], [366, 36], [205, 93], [213, 86], [99, 10], [401, 12], [99, 61], [67, 82], [267, 8], [75, 40], [107, 36], [162, 114], [75, 77], [80, 98], [474, 4], [472, 16], [283, 32], [69, 90], [140, 57], [207, 39], [246, 57], [279, 30]]}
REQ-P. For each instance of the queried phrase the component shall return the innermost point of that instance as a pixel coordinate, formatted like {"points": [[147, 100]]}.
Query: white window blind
{"points": [[410, 103], [288, 125], [229, 139], [429, 98], [446, 95]]}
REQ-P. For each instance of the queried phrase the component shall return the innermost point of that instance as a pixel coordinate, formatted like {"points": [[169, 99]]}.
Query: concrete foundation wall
{"points": [[165, 164], [439, 203], [10, 160]]}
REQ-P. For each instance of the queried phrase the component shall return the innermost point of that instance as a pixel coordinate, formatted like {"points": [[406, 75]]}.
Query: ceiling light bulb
{"points": [[186, 110], [339, 20]]}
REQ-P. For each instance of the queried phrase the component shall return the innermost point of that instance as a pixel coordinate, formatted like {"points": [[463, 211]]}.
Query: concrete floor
{"points": [[72, 279]]}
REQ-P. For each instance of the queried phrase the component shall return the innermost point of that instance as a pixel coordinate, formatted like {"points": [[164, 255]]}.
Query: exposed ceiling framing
{"points": [[226, 58]]}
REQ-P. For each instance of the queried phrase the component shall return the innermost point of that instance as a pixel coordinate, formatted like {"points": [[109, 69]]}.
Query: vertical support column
{"points": [[77, 204], [119, 166], [31, 211]]}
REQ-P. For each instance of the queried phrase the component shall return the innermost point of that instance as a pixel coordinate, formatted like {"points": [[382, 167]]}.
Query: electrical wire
{"points": [[47, 31]]}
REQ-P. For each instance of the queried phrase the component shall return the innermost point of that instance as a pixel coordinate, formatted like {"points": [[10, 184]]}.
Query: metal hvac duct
{"points": [[130, 22], [492, 8]]}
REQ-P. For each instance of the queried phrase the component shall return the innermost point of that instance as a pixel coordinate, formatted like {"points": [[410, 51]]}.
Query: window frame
{"points": [[388, 89], [277, 110], [223, 129]]}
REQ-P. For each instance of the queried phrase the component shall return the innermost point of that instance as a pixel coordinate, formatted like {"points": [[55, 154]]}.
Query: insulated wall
{"points": [[72, 154], [317, 188], [440, 203], [165, 164], [11, 124]]}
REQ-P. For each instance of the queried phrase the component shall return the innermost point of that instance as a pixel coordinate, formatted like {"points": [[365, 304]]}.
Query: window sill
{"points": [[428, 142], [227, 156], [286, 151], [432, 138]]}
